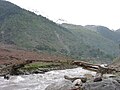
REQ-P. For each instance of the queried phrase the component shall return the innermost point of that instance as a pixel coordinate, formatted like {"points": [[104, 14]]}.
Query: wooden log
{"points": [[12, 68], [95, 67]]}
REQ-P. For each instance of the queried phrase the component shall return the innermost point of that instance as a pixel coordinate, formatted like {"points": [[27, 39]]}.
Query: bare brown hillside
{"points": [[12, 56]]}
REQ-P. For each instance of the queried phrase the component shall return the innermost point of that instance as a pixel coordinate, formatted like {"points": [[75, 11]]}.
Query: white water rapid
{"points": [[39, 81]]}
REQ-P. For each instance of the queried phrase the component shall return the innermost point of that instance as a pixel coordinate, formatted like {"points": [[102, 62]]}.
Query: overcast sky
{"points": [[80, 12]]}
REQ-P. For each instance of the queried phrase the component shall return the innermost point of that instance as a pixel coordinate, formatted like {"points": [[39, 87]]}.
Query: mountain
{"points": [[97, 37], [105, 32], [27, 30], [118, 30]]}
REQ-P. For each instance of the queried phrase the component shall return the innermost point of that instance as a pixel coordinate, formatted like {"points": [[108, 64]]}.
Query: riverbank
{"points": [[42, 67], [26, 68], [42, 81], [20, 62]]}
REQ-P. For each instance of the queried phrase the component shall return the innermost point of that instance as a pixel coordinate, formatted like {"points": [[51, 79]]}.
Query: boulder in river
{"points": [[108, 84]]}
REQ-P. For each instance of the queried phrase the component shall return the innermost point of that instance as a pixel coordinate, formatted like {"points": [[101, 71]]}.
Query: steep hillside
{"points": [[26, 29], [32, 32], [97, 38]]}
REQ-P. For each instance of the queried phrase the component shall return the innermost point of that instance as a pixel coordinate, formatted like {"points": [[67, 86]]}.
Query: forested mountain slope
{"points": [[34, 32], [96, 37]]}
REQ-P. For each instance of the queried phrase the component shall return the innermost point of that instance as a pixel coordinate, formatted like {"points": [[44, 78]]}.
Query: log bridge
{"points": [[95, 67], [12, 68]]}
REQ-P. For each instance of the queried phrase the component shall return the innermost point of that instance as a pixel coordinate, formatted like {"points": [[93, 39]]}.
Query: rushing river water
{"points": [[38, 81]]}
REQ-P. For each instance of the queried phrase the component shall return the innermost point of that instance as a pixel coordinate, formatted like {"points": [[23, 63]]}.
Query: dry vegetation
{"points": [[12, 56]]}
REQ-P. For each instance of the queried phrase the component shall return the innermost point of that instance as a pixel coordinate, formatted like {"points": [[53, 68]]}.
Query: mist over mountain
{"points": [[35, 32]]}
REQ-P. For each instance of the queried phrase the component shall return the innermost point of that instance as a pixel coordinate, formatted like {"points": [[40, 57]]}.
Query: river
{"points": [[39, 81]]}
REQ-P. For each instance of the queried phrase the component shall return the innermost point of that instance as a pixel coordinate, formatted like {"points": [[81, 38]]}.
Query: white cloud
{"points": [[97, 12]]}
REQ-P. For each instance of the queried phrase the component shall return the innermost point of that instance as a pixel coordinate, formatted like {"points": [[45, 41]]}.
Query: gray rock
{"points": [[62, 85], [7, 77], [77, 82], [108, 84]]}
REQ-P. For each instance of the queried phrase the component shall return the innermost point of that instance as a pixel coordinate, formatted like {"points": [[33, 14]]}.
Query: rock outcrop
{"points": [[108, 84], [105, 84]]}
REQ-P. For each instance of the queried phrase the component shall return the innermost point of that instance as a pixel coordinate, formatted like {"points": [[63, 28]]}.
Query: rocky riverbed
{"points": [[39, 81], [54, 80]]}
